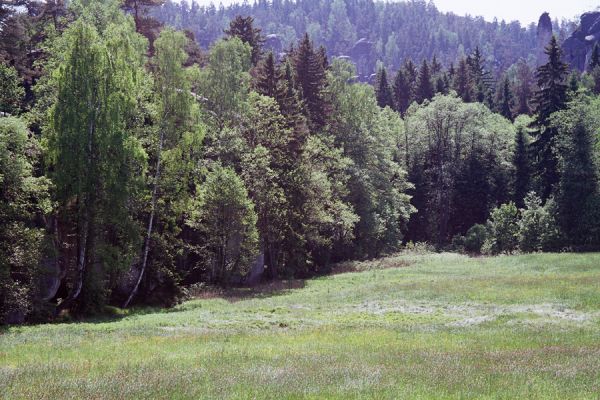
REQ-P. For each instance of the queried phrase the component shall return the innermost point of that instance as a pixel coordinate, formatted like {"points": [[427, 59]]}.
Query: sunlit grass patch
{"points": [[410, 326]]}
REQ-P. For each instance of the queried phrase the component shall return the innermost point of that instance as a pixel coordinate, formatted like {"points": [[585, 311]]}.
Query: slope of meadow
{"points": [[411, 326]]}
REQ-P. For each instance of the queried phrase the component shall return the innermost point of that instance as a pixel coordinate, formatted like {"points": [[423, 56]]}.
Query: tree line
{"points": [[134, 166]]}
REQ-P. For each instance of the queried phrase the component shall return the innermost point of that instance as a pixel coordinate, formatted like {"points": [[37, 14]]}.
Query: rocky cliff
{"points": [[578, 47]]}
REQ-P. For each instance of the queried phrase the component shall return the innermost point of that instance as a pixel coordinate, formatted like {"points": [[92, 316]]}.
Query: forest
{"points": [[148, 148]]}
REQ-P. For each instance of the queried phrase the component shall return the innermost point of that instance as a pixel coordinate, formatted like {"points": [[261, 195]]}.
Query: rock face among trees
{"points": [[578, 47], [544, 33]]}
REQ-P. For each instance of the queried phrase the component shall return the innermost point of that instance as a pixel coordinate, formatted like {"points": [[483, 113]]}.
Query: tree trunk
{"points": [[150, 222]]}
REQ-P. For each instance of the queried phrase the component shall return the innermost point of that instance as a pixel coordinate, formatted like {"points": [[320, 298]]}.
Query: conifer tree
{"points": [[462, 82], [550, 97], [267, 81], [441, 84], [311, 81], [243, 28], [424, 85], [402, 92], [436, 66], [479, 76], [411, 74], [577, 197], [521, 163], [504, 100], [383, 91]]}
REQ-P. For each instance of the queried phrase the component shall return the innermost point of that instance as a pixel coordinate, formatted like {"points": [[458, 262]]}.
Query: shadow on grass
{"points": [[260, 291]]}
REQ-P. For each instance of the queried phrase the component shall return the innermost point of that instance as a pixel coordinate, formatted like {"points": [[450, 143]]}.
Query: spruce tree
{"points": [[424, 86], [504, 100], [463, 82], [550, 97], [577, 196], [441, 84], [383, 91], [243, 28], [436, 66], [267, 81], [311, 81], [411, 74], [402, 92], [521, 163]]}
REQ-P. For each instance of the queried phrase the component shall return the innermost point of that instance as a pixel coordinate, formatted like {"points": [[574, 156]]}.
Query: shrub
{"points": [[503, 230], [538, 229], [475, 238]]}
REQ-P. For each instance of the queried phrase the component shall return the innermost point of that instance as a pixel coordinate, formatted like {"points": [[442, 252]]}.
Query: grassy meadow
{"points": [[410, 326]]}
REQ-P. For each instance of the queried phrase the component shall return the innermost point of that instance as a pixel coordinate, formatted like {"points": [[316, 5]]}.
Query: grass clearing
{"points": [[437, 326]]}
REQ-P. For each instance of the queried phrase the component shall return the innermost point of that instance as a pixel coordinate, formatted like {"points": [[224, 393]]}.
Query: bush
{"points": [[458, 243], [475, 238], [503, 230], [538, 229]]}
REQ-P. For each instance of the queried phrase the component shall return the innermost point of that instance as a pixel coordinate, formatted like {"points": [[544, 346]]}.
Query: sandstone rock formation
{"points": [[578, 47]]}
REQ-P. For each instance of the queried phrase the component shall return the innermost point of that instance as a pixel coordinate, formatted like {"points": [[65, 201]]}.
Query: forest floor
{"points": [[410, 326]]}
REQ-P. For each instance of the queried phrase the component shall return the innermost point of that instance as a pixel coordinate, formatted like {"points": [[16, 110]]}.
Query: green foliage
{"points": [[383, 91], [310, 79], [223, 84], [503, 230], [538, 229], [23, 198], [504, 100], [424, 89], [402, 92], [228, 221], [243, 28], [459, 159], [521, 160], [475, 238], [378, 185], [93, 155], [578, 194], [11, 92], [551, 96]]}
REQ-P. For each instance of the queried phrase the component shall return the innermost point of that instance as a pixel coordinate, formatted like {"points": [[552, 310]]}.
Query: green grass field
{"points": [[434, 326]]}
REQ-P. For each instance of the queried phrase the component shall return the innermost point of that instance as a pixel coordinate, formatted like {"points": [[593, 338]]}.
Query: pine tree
{"points": [[145, 23], [402, 92], [243, 28], [595, 58], [424, 86], [550, 97], [383, 92], [311, 81]]}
